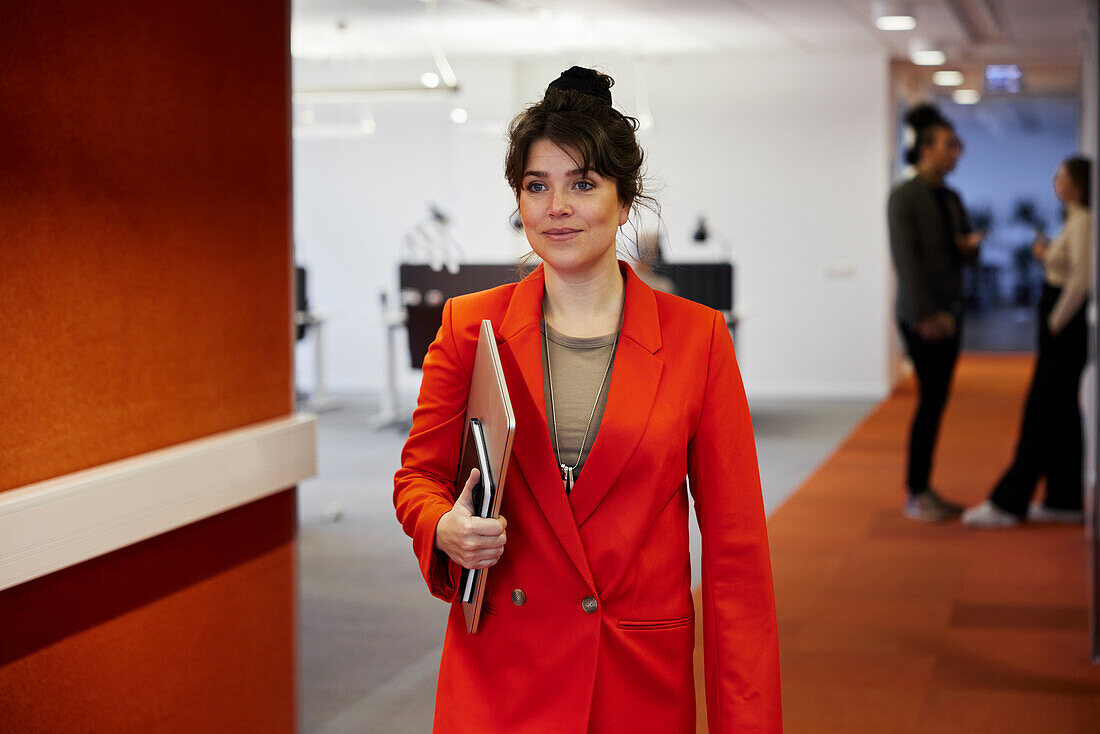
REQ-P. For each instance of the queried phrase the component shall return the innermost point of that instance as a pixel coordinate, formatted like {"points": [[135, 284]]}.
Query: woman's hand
{"points": [[1039, 248], [970, 243], [470, 541]]}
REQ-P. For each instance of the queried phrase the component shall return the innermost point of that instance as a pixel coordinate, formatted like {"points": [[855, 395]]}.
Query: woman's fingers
{"points": [[465, 501], [482, 558], [471, 541], [484, 526], [483, 542], [476, 541]]}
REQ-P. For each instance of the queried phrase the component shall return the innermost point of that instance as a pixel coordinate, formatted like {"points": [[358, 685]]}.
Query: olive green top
{"points": [[578, 366]]}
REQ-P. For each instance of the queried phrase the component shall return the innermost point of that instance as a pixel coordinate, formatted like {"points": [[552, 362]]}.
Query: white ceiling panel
{"points": [[971, 32]]}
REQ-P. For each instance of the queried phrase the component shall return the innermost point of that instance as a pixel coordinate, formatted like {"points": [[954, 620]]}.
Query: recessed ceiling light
{"points": [[429, 79], [966, 96], [925, 53], [459, 115], [930, 57], [946, 78], [893, 15], [895, 22]]}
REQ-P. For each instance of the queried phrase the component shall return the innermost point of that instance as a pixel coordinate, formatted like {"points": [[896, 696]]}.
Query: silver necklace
{"points": [[567, 477]]}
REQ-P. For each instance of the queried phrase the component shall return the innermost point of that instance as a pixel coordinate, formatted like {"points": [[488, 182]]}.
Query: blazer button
{"points": [[589, 604], [518, 597]]}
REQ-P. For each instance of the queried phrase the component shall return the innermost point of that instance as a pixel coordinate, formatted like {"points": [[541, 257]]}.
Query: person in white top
{"points": [[1051, 442]]}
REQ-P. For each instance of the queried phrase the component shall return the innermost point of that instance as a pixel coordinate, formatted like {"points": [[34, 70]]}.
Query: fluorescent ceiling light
{"points": [[966, 96], [895, 22], [929, 57], [429, 79], [944, 78], [893, 15]]}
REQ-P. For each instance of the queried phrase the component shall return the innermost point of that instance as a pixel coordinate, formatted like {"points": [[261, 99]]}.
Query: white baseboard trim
{"points": [[60, 522]]}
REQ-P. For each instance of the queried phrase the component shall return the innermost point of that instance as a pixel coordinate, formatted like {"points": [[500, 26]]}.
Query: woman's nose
{"points": [[559, 204]]}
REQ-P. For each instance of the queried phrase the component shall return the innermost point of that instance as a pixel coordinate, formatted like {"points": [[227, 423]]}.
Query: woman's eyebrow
{"points": [[544, 174]]}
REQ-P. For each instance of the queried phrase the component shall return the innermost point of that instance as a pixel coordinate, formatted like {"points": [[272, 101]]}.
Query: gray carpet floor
{"points": [[369, 632]]}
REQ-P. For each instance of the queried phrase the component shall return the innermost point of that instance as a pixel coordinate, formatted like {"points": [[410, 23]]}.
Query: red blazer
{"points": [[555, 663]]}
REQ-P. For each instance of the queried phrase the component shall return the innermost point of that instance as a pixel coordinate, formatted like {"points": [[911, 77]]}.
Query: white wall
{"points": [[356, 197], [788, 158]]}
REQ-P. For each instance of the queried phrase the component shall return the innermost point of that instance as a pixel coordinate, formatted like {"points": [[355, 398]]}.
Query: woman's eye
{"points": [[585, 185], [536, 187]]}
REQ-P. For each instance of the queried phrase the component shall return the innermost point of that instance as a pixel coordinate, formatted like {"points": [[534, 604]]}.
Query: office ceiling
{"points": [[1047, 31]]}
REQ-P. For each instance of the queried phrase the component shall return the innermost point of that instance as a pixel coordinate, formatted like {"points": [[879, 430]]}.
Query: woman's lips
{"points": [[557, 234]]}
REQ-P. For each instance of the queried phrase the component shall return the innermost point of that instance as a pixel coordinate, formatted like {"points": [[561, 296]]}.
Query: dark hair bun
{"points": [[585, 81], [922, 119], [924, 115]]}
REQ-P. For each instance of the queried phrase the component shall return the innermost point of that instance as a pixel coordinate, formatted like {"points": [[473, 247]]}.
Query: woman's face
{"points": [[942, 152], [570, 216], [1064, 187]]}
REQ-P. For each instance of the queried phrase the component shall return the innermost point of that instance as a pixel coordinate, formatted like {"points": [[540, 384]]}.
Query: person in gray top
{"points": [[930, 240]]}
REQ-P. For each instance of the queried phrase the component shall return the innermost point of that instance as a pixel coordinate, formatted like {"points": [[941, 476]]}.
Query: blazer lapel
{"points": [[634, 379], [520, 342]]}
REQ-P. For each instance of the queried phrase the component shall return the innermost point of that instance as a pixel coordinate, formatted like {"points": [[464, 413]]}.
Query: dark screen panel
{"points": [[425, 290]]}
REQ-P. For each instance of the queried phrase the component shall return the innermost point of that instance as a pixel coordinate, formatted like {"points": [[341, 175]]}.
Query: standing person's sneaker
{"points": [[1042, 513], [988, 515], [928, 506]]}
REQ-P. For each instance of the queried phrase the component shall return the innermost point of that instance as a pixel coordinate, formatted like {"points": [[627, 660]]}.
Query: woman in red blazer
{"points": [[589, 623]]}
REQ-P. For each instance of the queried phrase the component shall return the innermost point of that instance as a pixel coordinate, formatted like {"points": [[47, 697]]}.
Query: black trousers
{"points": [[934, 363], [1051, 442]]}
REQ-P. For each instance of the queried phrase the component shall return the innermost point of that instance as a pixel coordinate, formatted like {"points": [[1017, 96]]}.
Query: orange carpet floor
{"points": [[891, 626]]}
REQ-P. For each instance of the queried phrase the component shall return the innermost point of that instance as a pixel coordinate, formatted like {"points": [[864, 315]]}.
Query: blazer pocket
{"points": [[658, 624]]}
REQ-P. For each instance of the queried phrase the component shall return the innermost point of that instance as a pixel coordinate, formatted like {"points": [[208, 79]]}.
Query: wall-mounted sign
{"points": [[1003, 78]]}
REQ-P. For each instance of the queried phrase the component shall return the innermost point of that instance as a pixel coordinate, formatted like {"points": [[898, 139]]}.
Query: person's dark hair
{"points": [[924, 120], [576, 114], [1079, 171]]}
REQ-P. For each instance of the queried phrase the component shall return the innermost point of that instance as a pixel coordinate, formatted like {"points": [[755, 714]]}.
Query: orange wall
{"points": [[144, 301], [144, 215]]}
